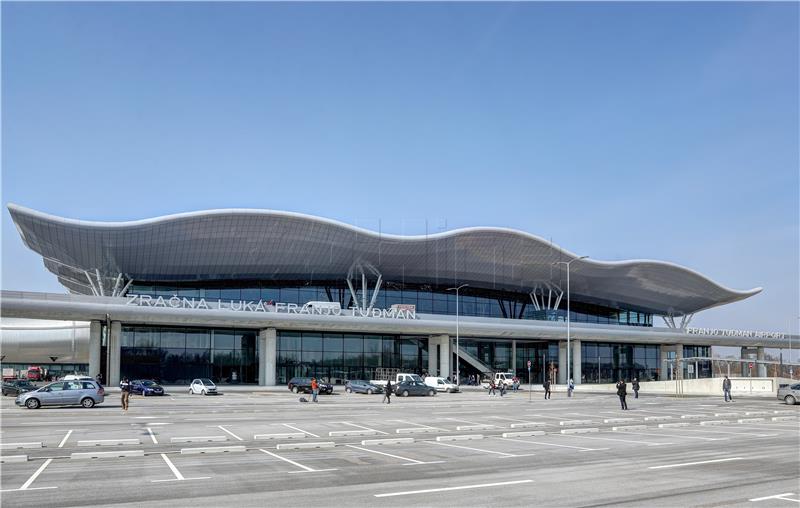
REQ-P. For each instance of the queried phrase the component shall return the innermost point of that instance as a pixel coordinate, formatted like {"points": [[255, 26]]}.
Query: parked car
{"points": [[17, 386], [407, 388], [202, 386], [506, 378], [146, 387], [361, 386], [303, 385], [63, 393], [789, 393], [398, 378], [441, 384]]}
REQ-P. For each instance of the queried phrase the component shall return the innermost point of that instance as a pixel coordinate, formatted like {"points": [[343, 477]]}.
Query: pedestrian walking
{"points": [[546, 386], [622, 392], [387, 393], [314, 389], [570, 387], [492, 388], [502, 389], [726, 389], [125, 389], [635, 386], [99, 378]]}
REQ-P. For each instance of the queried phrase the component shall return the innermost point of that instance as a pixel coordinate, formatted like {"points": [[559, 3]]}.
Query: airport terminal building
{"points": [[260, 296]]}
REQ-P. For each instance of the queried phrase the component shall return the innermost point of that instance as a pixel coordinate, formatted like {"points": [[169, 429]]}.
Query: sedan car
{"points": [[360, 386], [17, 386], [146, 387], [789, 393], [202, 386], [303, 384], [407, 388], [63, 393]]}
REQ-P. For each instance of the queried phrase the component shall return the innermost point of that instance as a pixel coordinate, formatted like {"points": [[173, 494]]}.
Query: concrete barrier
{"points": [[286, 435], [580, 431], [213, 449], [354, 432], [388, 441], [629, 427], [527, 425], [622, 420], [17, 446], [714, 422], [667, 425], [417, 430], [784, 418], [757, 413], [476, 427], [657, 418], [463, 437], [109, 442], [13, 458], [693, 417], [302, 446], [567, 423], [786, 412], [524, 433], [106, 455], [751, 420], [198, 439], [726, 414]]}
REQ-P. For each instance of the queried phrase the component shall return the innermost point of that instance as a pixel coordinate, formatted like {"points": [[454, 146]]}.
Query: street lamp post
{"points": [[457, 289], [567, 263]]}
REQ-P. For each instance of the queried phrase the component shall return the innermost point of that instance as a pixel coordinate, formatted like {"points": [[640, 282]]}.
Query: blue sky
{"points": [[619, 130]]}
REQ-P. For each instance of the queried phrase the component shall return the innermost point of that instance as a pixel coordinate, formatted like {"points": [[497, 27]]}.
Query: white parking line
{"points": [[580, 448], [678, 435], [409, 462], [473, 449], [648, 443], [305, 469], [716, 431], [417, 424], [468, 422], [777, 496], [27, 484], [152, 436], [63, 441], [445, 489], [178, 476], [299, 430], [229, 432], [364, 428], [696, 463]]}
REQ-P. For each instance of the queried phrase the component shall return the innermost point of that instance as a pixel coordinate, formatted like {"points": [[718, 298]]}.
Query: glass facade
{"points": [[699, 368], [338, 357], [178, 355], [608, 363], [428, 299]]}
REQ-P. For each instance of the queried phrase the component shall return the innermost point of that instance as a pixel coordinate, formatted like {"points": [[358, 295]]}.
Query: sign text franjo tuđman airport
{"points": [[176, 302], [735, 333]]}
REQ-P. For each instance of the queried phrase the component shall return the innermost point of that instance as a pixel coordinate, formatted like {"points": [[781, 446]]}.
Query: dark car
{"points": [[146, 387], [361, 386], [303, 384], [17, 386], [407, 388]]}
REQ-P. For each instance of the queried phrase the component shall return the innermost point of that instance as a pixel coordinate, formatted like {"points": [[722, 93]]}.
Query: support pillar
{"points": [[562, 362], [663, 367], [762, 367], [433, 357], [576, 361], [514, 357], [95, 341], [678, 361], [267, 357], [114, 353], [444, 356]]}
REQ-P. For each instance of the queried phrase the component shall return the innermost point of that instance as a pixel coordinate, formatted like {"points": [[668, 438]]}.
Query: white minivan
{"points": [[441, 384]]}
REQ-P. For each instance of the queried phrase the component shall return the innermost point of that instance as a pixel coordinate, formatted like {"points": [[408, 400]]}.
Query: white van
{"points": [[506, 378], [441, 384]]}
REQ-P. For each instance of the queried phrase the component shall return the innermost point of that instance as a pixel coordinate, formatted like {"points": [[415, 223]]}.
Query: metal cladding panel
{"points": [[273, 245]]}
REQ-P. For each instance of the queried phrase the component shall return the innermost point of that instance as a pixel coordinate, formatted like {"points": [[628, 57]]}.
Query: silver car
{"points": [[83, 392], [789, 393]]}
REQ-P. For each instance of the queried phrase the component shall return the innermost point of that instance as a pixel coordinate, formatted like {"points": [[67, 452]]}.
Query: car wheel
{"points": [[191, 392], [87, 402], [295, 389], [447, 391], [431, 393], [348, 390], [790, 400], [404, 393], [369, 391], [202, 392], [32, 403]]}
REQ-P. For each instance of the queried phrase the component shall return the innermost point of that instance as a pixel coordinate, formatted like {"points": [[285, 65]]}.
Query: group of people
{"points": [[622, 392]]}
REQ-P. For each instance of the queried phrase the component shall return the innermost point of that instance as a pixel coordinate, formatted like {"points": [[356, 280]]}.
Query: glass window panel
{"points": [[188, 292], [251, 294], [223, 339], [128, 333], [332, 342], [273, 294], [353, 343], [288, 357], [289, 295], [230, 294], [147, 337], [311, 357], [352, 359], [312, 341], [212, 294], [289, 341], [198, 338], [173, 338], [372, 344], [198, 355]]}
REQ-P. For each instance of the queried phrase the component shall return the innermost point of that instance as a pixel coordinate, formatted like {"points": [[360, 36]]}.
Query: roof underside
{"points": [[272, 245]]}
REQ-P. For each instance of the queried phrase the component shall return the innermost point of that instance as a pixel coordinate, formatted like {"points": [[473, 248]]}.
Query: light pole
{"points": [[568, 317], [457, 289]]}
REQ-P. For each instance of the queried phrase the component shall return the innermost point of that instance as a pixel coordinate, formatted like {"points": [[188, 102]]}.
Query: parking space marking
{"points": [[178, 476], [580, 448], [27, 484], [299, 430], [305, 469], [364, 428], [716, 431], [152, 436], [409, 462], [648, 443], [473, 449], [445, 489], [470, 422], [418, 424], [696, 463], [229, 432], [680, 436], [776, 496], [63, 441]]}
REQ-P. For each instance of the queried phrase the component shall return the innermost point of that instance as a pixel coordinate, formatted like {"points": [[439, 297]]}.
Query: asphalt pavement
{"points": [[253, 448]]}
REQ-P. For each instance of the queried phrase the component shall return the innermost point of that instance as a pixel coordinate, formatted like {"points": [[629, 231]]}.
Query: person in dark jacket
{"points": [[635, 386], [387, 393], [546, 386], [622, 392], [726, 389], [125, 390]]}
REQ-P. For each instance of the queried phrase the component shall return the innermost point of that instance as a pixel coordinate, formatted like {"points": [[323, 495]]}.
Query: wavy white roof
{"points": [[276, 245]]}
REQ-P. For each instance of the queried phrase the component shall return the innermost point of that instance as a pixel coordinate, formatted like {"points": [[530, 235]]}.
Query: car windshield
{"points": [[148, 382], [206, 381]]}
